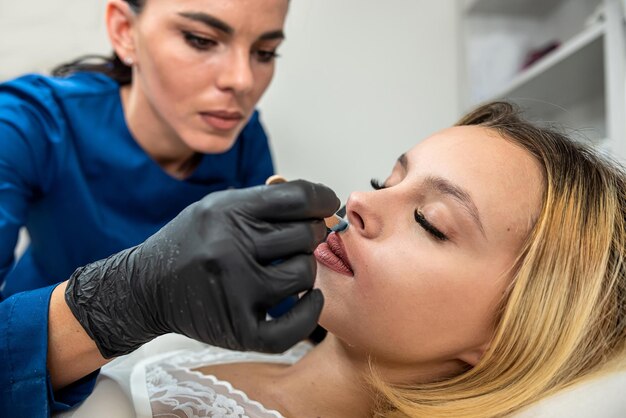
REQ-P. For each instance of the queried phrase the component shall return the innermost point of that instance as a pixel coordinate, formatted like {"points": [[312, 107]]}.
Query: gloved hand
{"points": [[211, 274]]}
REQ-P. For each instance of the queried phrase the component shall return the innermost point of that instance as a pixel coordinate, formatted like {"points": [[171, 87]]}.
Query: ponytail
{"points": [[111, 66]]}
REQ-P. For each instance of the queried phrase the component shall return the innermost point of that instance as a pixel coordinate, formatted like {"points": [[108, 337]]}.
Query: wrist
{"points": [[72, 353], [101, 298]]}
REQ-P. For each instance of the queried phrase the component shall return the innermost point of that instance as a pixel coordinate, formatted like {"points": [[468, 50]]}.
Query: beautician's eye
{"points": [[420, 219], [377, 185], [265, 56], [198, 42]]}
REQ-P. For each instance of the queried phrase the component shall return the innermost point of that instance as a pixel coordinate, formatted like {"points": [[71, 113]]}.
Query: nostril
{"points": [[356, 220]]}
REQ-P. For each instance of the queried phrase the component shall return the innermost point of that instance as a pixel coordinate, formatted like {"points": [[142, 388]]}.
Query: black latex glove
{"points": [[211, 274]]}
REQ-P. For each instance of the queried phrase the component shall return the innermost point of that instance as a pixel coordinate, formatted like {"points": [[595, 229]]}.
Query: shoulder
{"points": [[38, 113], [37, 102], [36, 87]]}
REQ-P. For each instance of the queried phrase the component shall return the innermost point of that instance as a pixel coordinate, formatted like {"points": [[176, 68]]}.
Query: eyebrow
{"points": [[220, 25], [446, 187]]}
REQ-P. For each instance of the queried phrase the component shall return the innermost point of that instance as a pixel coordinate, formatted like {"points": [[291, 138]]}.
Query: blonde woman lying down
{"points": [[485, 273]]}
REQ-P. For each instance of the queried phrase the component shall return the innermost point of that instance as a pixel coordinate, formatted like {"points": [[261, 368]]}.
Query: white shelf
{"points": [[579, 86], [571, 73], [510, 7]]}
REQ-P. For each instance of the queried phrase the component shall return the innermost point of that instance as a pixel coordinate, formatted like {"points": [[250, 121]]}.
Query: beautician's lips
{"points": [[222, 120], [333, 255]]}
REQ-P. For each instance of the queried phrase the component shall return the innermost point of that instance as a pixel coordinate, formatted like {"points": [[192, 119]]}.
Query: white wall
{"points": [[38, 35], [359, 81]]}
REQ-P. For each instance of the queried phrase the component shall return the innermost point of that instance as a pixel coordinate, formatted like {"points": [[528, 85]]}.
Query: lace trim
{"points": [[175, 390], [206, 398]]}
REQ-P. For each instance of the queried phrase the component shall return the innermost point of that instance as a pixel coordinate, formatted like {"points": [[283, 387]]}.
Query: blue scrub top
{"points": [[71, 172]]}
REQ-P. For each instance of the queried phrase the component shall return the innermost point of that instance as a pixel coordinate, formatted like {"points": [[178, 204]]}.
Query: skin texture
{"points": [[184, 68], [421, 307]]}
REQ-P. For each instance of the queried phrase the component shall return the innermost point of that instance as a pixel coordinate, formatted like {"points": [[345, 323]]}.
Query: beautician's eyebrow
{"points": [[445, 187], [215, 23]]}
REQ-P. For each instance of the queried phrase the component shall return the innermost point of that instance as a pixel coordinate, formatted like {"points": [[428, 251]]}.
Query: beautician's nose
{"points": [[236, 73], [364, 211]]}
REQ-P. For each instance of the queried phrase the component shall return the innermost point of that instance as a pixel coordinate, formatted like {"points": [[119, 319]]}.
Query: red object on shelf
{"points": [[536, 54]]}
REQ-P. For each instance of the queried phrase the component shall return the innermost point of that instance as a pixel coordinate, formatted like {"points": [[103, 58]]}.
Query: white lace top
{"points": [[165, 385]]}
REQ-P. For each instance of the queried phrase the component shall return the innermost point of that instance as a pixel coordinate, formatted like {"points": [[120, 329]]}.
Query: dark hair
{"points": [[111, 66]]}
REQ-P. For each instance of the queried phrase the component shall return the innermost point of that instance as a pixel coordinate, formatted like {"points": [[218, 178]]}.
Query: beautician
{"points": [[113, 156]]}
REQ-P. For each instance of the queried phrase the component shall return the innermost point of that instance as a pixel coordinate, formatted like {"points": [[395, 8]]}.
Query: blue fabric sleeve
{"points": [[30, 126], [71, 395], [25, 388], [23, 350]]}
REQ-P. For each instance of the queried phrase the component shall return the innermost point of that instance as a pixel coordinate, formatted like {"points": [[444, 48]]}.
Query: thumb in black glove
{"points": [[209, 274]]}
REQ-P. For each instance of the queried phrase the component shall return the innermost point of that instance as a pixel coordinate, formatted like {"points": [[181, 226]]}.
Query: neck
{"points": [[326, 383], [155, 136], [332, 381]]}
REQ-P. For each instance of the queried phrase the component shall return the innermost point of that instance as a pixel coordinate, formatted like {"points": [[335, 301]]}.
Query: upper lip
{"points": [[225, 114], [336, 246]]}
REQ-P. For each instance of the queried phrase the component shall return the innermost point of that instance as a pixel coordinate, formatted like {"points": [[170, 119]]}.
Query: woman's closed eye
{"points": [[430, 228], [377, 185], [198, 42], [419, 216]]}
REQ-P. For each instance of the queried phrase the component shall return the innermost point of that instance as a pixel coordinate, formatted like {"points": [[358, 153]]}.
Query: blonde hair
{"points": [[563, 317]]}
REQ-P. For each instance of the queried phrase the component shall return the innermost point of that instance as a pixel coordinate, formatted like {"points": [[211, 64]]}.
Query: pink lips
{"points": [[222, 120], [333, 255]]}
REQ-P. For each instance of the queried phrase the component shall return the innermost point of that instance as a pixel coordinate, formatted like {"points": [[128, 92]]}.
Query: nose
{"points": [[236, 74], [364, 213]]}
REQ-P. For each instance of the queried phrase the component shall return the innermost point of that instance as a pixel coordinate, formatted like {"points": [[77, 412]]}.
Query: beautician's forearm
{"points": [[72, 354]]}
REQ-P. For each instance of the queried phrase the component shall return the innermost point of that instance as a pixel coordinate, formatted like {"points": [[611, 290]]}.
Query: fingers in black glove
{"points": [[289, 239], [293, 201], [212, 273], [281, 333]]}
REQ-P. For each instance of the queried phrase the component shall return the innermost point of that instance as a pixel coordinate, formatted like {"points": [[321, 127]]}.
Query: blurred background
{"points": [[361, 81]]}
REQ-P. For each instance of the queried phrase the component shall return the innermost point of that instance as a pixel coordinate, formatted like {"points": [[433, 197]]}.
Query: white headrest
{"points": [[601, 397]]}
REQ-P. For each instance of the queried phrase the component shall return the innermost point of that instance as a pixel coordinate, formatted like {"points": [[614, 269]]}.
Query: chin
{"points": [[333, 316], [212, 144]]}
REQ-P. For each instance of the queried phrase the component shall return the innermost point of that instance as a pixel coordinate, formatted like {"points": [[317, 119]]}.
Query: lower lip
{"points": [[326, 257], [221, 124]]}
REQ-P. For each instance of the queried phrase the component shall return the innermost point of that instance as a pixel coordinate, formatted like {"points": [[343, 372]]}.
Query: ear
{"points": [[119, 20], [473, 356]]}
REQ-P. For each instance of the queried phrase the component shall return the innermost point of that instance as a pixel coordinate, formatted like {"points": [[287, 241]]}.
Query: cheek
{"points": [[413, 305], [174, 73], [263, 75], [430, 318], [401, 273]]}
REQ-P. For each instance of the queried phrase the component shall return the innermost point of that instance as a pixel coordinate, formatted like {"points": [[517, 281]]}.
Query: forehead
{"points": [[241, 14], [503, 179]]}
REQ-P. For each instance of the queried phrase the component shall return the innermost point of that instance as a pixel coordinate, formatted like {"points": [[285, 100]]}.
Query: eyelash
{"points": [[265, 56], [377, 185], [419, 217], [198, 42], [203, 44]]}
